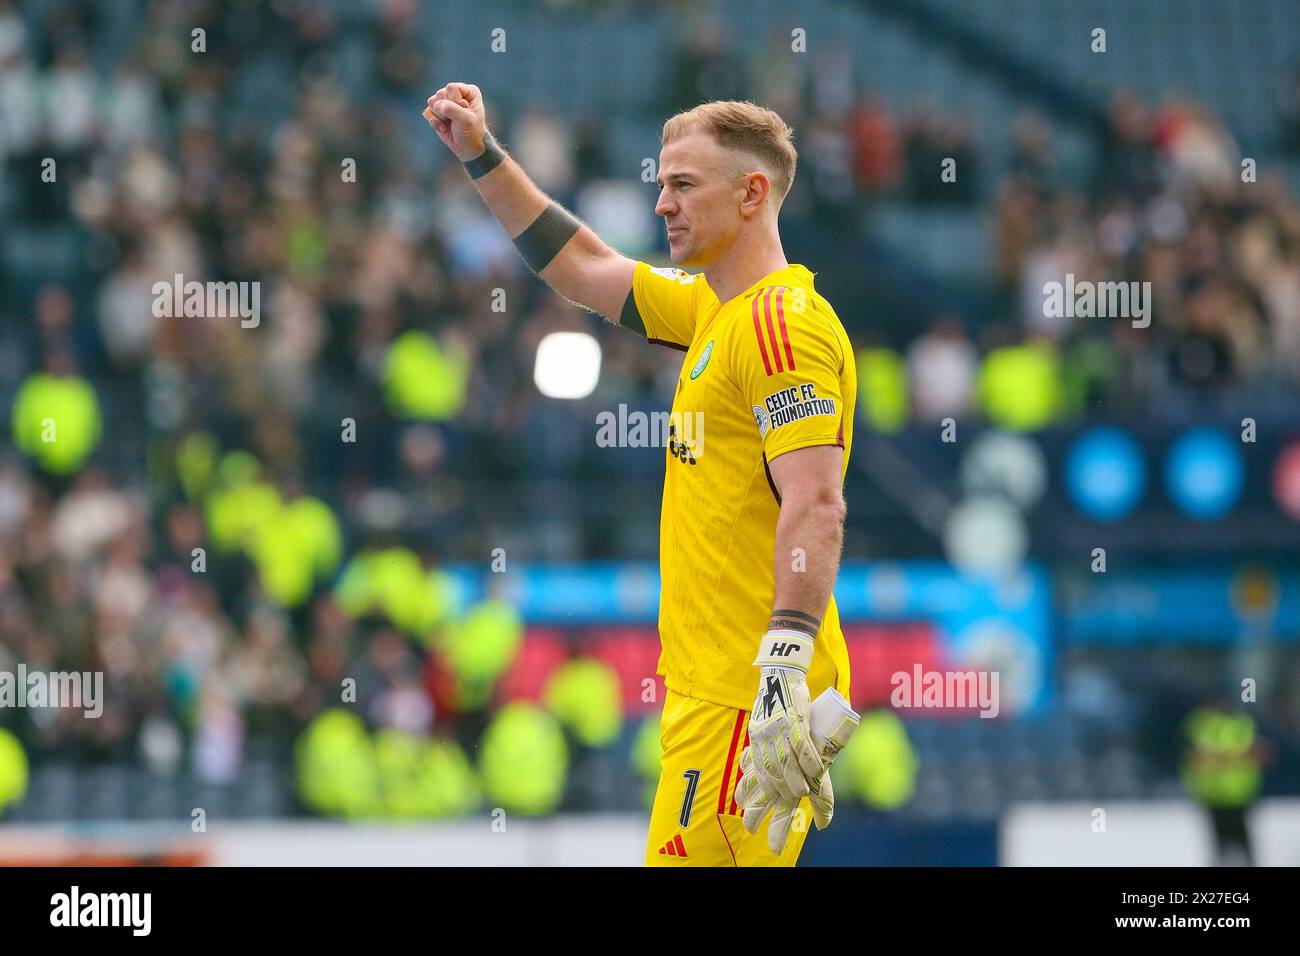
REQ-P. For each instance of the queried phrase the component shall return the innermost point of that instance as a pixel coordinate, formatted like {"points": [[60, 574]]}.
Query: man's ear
{"points": [[758, 189]]}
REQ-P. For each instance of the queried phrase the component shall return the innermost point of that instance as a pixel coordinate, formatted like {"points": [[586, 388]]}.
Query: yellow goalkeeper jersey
{"points": [[765, 373]]}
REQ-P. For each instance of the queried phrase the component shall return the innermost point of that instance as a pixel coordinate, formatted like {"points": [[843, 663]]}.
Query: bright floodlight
{"points": [[568, 365], [1003, 463], [985, 534]]}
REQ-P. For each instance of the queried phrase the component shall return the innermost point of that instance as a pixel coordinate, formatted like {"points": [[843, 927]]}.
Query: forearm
{"points": [[567, 261], [809, 537], [568, 256], [510, 195]]}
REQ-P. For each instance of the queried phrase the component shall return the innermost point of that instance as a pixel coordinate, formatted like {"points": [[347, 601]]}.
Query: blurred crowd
{"points": [[1173, 204], [1170, 202], [160, 160], [1214, 243], [386, 387]]}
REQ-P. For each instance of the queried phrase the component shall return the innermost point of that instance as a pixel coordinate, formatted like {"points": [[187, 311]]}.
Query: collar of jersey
{"points": [[801, 274]]}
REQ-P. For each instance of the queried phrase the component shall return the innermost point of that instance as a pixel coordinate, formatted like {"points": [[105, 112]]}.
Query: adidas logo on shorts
{"points": [[673, 847]]}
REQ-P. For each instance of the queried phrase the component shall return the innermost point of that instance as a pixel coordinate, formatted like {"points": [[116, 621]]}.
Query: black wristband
{"points": [[630, 317], [541, 241], [784, 617], [486, 161]]}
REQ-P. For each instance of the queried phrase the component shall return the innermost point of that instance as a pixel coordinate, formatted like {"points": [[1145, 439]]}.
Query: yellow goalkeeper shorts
{"points": [[695, 820]]}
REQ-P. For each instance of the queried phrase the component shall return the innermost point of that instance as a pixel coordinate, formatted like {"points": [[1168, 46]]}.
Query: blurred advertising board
{"points": [[913, 618]]}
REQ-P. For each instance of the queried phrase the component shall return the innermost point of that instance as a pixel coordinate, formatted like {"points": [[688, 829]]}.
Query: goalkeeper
{"points": [[751, 525]]}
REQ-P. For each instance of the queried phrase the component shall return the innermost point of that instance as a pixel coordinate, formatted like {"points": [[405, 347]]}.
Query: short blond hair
{"points": [[747, 127]]}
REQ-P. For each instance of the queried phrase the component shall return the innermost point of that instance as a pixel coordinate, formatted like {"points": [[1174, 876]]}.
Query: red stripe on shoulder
{"points": [[785, 335], [771, 329], [758, 332]]}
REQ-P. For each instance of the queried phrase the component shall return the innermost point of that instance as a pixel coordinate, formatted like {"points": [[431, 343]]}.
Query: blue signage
{"points": [[1105, 474]]}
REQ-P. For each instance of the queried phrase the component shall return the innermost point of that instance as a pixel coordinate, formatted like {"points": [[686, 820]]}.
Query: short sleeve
{"points": [[665, 301], [788, 363]]}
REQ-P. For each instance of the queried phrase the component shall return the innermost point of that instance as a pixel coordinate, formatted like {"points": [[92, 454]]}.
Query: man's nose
{"points": [[665, 206]]}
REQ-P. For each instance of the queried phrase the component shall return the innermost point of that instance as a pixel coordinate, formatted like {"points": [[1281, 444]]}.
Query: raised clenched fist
{"points": [[456, 114]]}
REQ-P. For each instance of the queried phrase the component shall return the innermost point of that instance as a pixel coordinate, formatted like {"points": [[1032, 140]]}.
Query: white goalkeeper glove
{"points": [[784, 758], [833, 723]]}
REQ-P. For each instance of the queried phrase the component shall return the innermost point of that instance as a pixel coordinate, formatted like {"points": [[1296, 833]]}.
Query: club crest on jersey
{"points": [[703, 362], [791, 405]]}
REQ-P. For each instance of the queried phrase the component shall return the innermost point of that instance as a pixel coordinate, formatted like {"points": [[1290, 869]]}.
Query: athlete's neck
{"points": [[749, 259]]}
